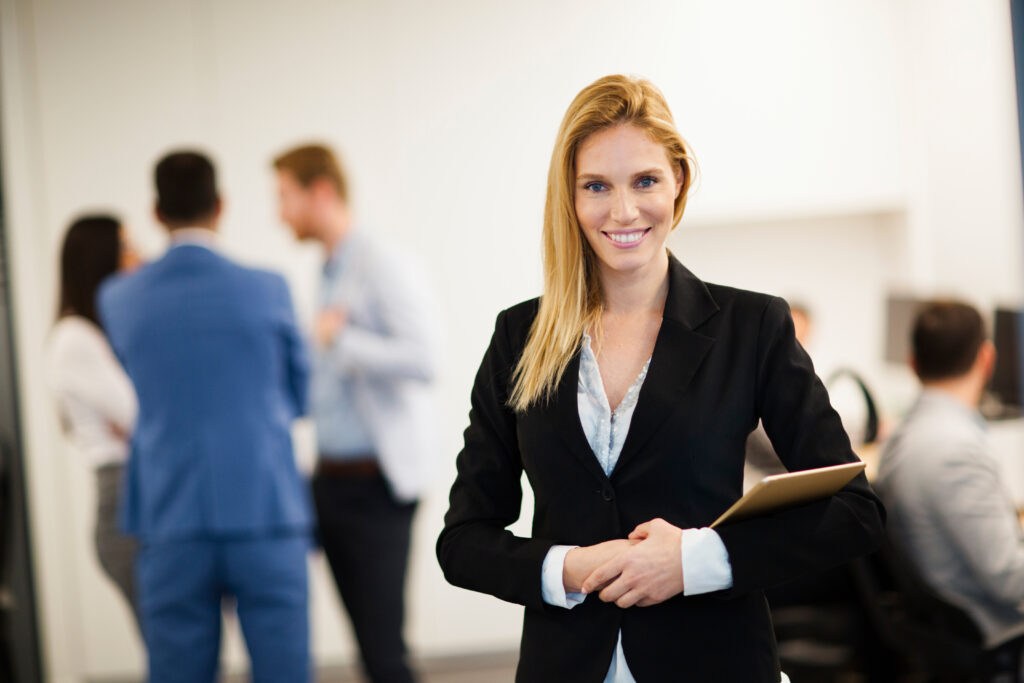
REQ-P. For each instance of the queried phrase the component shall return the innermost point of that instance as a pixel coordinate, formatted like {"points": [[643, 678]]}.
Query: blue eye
{"points": [[646, 181], [594, 187]]}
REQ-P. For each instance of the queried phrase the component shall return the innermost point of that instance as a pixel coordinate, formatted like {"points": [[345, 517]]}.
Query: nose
{"points": [[624, 208]]}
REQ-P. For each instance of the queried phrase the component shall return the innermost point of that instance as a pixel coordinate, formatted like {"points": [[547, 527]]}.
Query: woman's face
{"points": [[625, 195], [128, 259]]}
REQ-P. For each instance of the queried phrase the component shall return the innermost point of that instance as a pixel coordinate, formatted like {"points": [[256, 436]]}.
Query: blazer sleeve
{"points": [[806, 432], [295, 351], [475, 549]]}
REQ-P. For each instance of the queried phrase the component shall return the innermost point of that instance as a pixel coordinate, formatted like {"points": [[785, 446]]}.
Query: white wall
{"points": [[961, 145], [845, 147]]}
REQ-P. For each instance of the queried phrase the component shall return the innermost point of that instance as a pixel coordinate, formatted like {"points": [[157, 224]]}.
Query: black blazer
{"points": [[723, 358]]}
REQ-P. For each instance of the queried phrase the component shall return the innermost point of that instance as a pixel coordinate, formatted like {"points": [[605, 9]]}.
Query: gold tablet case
{"points": [[780, 491]]}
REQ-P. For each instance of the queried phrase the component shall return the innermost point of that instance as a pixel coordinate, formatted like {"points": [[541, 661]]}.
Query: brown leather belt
{"points": [[351, 469]]}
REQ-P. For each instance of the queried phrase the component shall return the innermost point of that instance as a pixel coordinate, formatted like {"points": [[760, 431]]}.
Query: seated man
{"points": [[948, 509]]}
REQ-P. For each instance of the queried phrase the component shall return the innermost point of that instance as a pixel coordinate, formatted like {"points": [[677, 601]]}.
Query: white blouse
{"points": [[95, 398]]}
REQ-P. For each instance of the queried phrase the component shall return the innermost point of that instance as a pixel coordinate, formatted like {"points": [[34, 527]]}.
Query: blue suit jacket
{"points": [[221, 371]]}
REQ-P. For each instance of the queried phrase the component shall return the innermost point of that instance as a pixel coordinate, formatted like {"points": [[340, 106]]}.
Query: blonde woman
{"points": [[626, 394]]}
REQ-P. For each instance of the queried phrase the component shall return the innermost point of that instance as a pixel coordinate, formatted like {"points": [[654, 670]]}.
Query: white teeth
{"points": [[627, 237]]}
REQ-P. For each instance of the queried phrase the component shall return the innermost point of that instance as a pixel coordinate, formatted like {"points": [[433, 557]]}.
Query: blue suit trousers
{"points": [[182, 583]]}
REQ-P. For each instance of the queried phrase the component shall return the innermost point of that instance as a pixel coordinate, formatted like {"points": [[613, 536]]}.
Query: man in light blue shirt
{"points": [[375, 341]]}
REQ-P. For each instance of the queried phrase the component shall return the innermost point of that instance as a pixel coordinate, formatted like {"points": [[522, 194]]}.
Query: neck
{"points": [[641, 290], [336, 229], [964, 389], [203, 225]]}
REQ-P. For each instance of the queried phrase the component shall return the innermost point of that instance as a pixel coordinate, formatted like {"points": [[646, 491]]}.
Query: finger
{"points": [[631, 598], [603, 585], [603, 574], [615, 590]]}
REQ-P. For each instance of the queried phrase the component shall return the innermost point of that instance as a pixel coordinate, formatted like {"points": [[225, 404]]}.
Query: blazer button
{"points": [[608, 495]]}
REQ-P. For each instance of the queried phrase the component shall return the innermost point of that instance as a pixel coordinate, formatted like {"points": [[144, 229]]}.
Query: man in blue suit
{"points": [[211, 488]]}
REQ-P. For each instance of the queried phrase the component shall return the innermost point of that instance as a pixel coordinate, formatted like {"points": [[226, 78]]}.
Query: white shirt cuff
{"points": [[706, 565], [551, 586]]}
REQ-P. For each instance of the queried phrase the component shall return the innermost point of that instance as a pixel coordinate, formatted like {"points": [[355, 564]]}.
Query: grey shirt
{"points": [[950, 513]]}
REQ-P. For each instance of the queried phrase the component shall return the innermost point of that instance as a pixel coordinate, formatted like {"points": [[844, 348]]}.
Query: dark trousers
{"points": [[365, 535]]}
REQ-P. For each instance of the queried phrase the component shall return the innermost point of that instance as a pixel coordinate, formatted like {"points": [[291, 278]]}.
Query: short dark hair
{"points": [[946, 338], [310, 162], [91, 252], [186, 187]]}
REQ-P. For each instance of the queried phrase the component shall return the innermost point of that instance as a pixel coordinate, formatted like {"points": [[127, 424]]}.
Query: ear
{"points": [[986, 360], [158, 215], [218, 208], [322, 188]]}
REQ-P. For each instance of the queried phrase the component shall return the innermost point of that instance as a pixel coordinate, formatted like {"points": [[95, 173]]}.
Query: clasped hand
{"points": [[644, 569]]}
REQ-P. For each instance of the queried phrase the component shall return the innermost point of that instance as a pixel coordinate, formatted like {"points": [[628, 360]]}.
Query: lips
{"points": [[626, 239]]}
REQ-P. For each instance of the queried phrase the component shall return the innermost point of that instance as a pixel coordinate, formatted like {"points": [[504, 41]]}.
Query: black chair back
{"points": [[935, 636]]}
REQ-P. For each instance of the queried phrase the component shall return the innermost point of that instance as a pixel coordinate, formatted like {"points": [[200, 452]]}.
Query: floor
{"points": [[497, 667]]}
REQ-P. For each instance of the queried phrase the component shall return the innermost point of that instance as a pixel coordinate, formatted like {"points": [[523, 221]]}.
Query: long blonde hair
{"points": [[572, 300]]}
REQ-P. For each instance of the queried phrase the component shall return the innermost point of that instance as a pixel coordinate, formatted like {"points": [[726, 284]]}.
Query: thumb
{"points": [[642, 531]]}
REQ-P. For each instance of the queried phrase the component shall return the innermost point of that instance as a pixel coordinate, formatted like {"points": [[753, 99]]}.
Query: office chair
{"points": [[936, 637]]}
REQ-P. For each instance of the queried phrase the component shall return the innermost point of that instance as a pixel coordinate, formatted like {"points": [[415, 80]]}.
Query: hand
{"points": [[117, 431], [581, 562], [328, 324], [645, 574]]}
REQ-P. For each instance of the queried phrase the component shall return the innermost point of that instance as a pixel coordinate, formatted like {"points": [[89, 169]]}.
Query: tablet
{"points": [[780, 491]]}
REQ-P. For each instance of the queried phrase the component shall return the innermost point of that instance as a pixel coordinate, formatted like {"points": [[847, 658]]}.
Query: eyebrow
{"points": [[596, 176]]}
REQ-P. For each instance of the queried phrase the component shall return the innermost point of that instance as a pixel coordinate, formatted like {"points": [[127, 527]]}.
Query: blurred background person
{"points": [[212, 490], [949, 510], [375, 362], [95, 399]]}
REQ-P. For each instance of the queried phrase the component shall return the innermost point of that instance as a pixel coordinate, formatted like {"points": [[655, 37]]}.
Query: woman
{"points": [[626, 393], [94, 396]]}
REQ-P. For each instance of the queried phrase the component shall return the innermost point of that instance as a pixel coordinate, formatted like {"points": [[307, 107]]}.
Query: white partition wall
{"points": [[845, 147]]}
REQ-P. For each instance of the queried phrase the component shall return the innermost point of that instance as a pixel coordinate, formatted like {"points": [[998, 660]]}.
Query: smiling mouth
{"points": [[627, 238]]}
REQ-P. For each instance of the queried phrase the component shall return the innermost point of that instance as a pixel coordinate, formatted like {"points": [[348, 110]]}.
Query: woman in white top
{"points": [[94, 396]]}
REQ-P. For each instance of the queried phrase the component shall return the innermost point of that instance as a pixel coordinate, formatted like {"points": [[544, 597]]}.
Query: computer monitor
{"points": [[1006, 334]]}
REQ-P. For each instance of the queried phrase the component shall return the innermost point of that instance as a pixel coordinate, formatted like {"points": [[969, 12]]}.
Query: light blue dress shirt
{"points": [[341, 431]]}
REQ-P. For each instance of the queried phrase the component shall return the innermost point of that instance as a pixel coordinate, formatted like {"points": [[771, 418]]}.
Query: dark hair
{"points": [[186, 187], [309, 162], [946, 338], [91, 252]]}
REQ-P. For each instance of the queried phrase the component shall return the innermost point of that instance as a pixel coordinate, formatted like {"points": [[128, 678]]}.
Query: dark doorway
{"points": [[20, 660]]}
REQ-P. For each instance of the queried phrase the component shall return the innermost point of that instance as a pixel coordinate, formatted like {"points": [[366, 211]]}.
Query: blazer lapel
{"points": [[568, 420], [678, 353]]}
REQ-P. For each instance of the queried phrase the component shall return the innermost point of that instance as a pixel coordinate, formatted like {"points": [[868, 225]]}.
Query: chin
{"points": [[627, 262]]}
